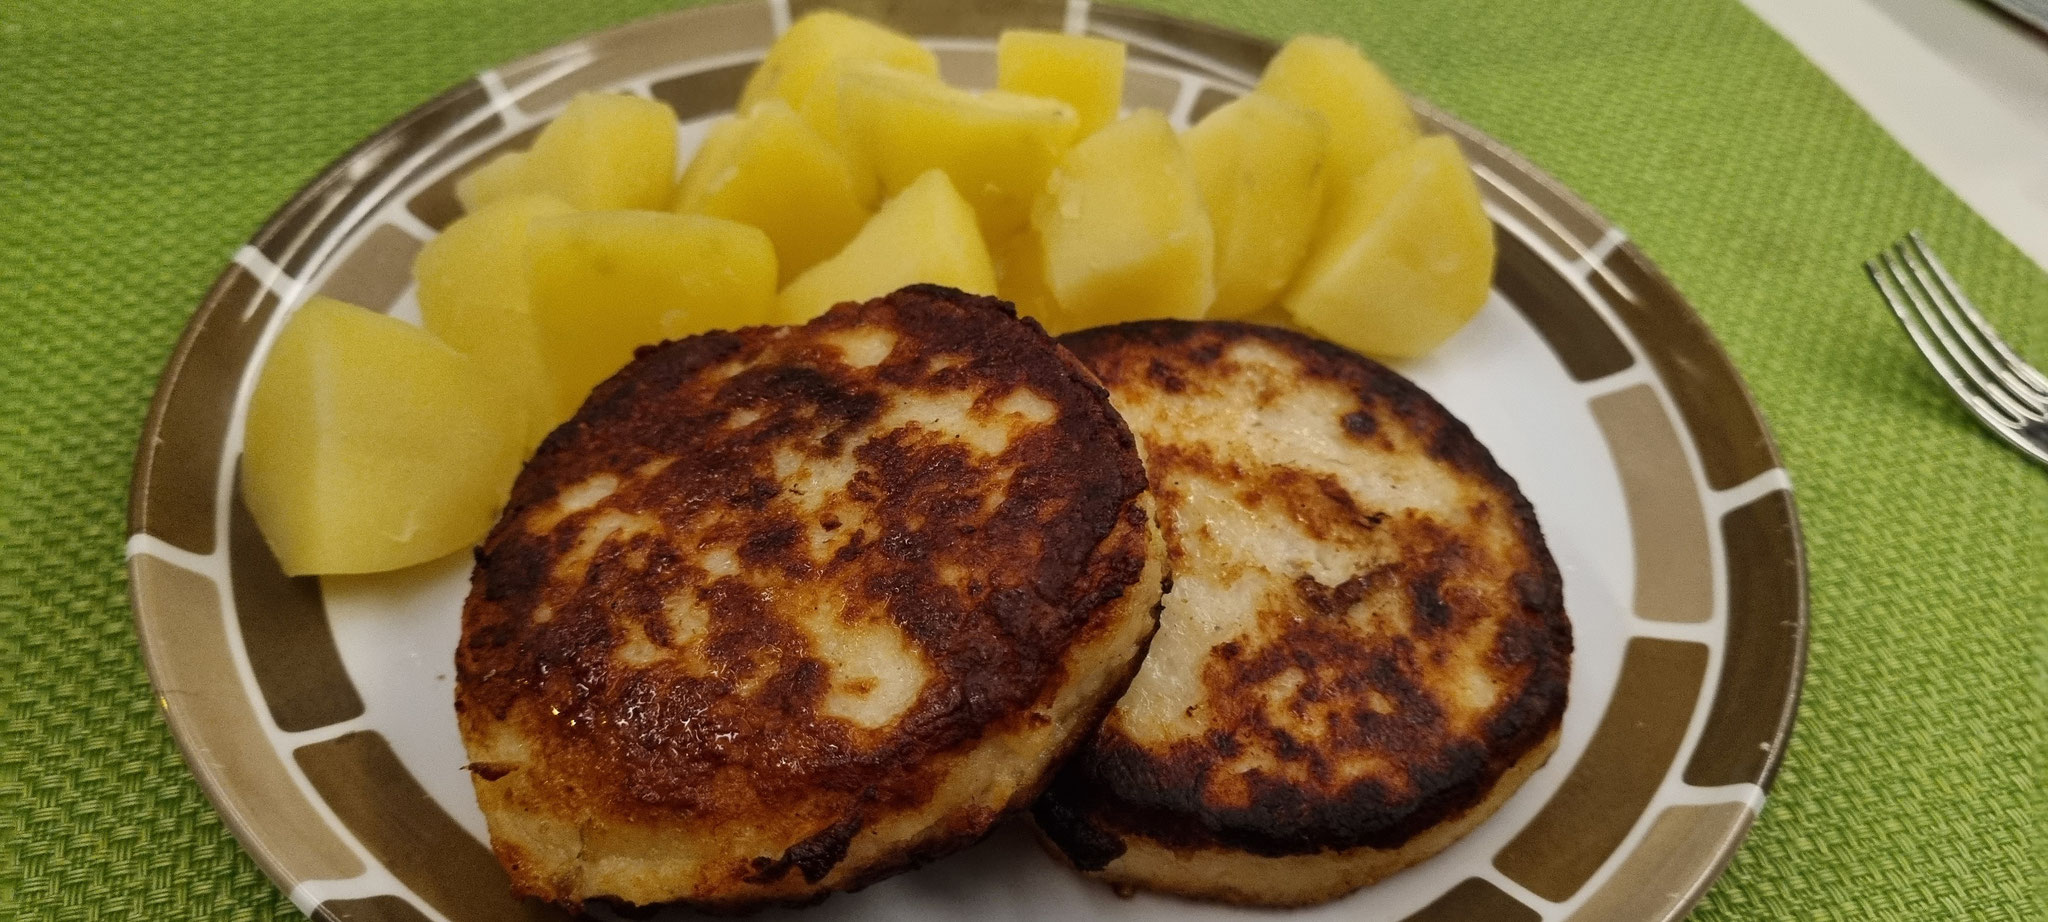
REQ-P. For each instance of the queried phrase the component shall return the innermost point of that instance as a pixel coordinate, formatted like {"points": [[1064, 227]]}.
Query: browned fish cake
{"points": [[1364, 650], [787, 610]]}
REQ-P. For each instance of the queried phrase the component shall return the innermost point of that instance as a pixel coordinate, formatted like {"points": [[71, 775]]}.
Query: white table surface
{"points": [[1960, 86]]}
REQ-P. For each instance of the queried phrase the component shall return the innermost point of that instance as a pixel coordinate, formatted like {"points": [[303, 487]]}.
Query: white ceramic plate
{"points": [[318, 714]]}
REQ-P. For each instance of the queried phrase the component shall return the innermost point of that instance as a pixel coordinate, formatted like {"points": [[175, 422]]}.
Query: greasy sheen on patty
{"points": [[790, 609], [1364, 649]]}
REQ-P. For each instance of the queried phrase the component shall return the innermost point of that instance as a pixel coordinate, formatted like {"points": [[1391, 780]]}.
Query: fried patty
{"points": [[786, 610], [1364, 650]]}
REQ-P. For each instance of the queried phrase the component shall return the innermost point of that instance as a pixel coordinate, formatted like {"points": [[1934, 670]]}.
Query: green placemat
{"points": [[140, 143]]}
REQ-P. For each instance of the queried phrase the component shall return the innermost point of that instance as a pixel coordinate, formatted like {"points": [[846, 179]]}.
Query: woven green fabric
{"points": [[141, 142]]}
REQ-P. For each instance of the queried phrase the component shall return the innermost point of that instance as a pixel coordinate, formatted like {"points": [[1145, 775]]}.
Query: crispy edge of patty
{"points": [[1230, 875], [1083, 814], [1126, 619]]}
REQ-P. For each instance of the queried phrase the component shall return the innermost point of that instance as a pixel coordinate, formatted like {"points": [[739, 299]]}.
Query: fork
{"points": [[2006, 394]]}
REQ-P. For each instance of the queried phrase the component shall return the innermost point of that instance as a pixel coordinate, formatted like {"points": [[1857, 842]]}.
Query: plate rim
{"points": [[1696, 325]]}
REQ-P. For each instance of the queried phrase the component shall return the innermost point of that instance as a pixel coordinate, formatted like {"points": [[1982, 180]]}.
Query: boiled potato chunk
{"points": [[925, 234], [717, 157], [1126, 236], [474, 295], [770, 170], [821, 110], [820, 42], [996, 147], [1404, 260], [1367, 115], [371, 445], [608, 282], [1083, 71], [503, 176], [1274, 315], [606, 150], [1020, 280], [1259, 161]]}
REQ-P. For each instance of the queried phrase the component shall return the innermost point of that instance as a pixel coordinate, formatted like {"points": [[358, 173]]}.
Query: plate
{"points": [[318, 714]]}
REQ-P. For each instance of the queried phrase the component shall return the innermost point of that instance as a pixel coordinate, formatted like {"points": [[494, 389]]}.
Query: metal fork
{"points": [[2005, 393]]}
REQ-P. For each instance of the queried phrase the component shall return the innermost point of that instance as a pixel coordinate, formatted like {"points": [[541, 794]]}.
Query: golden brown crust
{"points": [[673, 625], [1337, 718], [1230, 876]]}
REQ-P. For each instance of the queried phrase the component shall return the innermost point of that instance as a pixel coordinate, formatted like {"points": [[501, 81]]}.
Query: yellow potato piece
{"points": [[606, 150], [772, 171], [608, 282], [371, 445], [1367, 115], [996, 147], [1404, 260], [1126, 235], [1083, 71], [1274, 315], [474, 295], [925, 234], [717, 157], [1259, 161], [820, 110], [503, 176], [820, 42], [1020, 280]]}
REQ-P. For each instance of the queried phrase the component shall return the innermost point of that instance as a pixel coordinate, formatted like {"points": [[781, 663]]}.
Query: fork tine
{"points": [[1993, 379], [1884, 273], [2013, 389], [1981, 370], [2028, 377]]}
